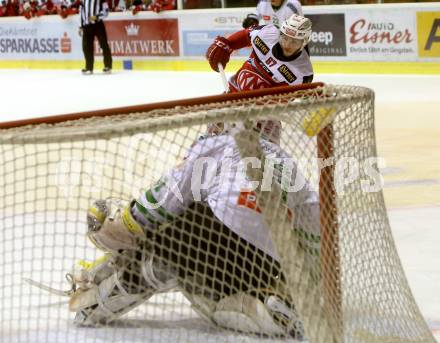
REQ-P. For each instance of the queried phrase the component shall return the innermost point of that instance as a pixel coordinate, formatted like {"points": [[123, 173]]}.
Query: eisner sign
{"points": [[143, 37], [382, 36], [371, 32]]}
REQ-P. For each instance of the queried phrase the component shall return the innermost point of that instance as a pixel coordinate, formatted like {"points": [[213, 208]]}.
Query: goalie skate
{"points": [[246, 313], [80, 277], [49, 289]]}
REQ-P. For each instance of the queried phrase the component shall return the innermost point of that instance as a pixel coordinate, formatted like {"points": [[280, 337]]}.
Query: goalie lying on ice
{"points": [[199, 230]]}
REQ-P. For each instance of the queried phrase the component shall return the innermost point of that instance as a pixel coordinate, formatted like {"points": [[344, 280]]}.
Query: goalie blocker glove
{"points": [[219, 52]]}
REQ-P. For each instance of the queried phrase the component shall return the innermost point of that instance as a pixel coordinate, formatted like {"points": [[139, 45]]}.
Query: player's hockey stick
{"points": [[50, 289], [223, 75]]}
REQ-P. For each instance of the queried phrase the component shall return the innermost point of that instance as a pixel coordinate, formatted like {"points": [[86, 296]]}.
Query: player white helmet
{"points": [[297, 27]]}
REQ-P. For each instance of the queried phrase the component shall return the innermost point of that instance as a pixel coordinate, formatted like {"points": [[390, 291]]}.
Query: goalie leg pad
{"points": [[135, 279], [86, 274], [105, 303]]}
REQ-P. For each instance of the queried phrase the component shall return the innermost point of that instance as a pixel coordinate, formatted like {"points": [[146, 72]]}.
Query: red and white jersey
{"points": [[266, 67], [268, 15], [214, 173]]}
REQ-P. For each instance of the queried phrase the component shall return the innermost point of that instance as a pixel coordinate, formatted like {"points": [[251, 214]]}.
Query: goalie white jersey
{"points": [[214, 173], [266, 12]]}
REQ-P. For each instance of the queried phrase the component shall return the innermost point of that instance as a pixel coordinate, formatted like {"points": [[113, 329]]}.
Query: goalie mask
{"points": [[297, 27]]}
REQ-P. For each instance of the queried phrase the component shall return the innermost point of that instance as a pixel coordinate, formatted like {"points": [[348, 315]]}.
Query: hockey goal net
{"points": [[345, 282]]}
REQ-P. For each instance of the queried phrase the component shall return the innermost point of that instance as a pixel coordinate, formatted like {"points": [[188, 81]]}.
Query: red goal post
{"points": [[160, 105]]}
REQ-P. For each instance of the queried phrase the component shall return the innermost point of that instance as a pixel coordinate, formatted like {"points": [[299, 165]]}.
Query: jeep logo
{"points": [[322, 37]]}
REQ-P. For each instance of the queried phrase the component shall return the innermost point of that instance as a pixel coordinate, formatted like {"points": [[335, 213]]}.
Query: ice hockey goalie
{"points": [[198, 230]]}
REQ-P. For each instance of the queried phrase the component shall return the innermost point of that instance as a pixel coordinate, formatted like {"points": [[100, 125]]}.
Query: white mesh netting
{"points": [[323, 250]]}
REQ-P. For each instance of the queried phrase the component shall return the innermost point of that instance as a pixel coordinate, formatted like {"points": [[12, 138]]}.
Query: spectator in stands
{"points": [[113, 5], [162, 5], [139, 5], [30, 9], [68, 7], [12, 8], [26, 11], [191, 4], [3, 8], [47, 7]]}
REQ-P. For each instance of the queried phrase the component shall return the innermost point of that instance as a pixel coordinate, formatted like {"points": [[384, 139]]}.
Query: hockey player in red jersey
{"points": [[278, 57]]}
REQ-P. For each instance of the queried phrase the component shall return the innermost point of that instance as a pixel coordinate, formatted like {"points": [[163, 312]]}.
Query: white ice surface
{"points": [[33, 93], [30, 93]]}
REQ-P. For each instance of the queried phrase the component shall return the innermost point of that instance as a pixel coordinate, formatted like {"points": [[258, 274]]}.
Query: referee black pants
{"points": [[89, 33]]}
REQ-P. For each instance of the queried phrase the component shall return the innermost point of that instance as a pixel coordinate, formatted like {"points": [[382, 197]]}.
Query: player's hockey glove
{"points": [[250, 20], [218, 52]]}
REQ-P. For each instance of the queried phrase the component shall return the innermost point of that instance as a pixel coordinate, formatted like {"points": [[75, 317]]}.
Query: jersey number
{"points": [[271, 62]]}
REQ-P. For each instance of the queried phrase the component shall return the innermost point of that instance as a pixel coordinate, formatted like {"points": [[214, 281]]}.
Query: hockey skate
{"points": [[248, 313], [111, 288]]}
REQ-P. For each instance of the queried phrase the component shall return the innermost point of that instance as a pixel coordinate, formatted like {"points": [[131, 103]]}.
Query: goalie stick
{"points": [[223, 75], [52, 290]]}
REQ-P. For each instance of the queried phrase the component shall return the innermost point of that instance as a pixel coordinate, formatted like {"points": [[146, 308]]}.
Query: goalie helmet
{"points": [[297, 27]]}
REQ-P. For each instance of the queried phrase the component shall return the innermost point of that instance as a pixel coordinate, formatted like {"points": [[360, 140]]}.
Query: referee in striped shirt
{"points": [[92, 12]]}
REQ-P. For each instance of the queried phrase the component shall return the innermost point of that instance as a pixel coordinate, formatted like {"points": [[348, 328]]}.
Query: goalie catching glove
{"points": [[111, 226], [219, 52]]}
